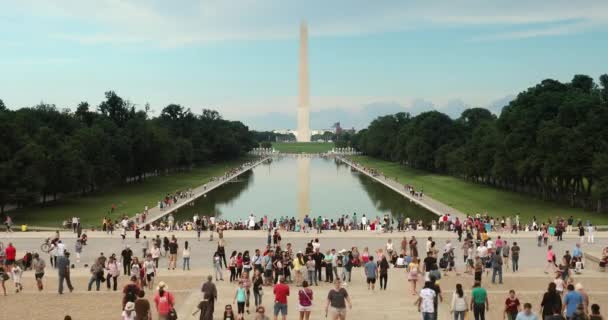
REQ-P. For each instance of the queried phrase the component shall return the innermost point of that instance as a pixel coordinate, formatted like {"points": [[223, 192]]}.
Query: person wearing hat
{"points": [[164, 301], [129, 312]]}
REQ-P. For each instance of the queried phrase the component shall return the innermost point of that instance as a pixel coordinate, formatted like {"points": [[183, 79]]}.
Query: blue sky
{"points": [[241, 57]]}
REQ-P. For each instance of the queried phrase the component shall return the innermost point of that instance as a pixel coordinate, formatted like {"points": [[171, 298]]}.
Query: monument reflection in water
{"points": [[303, 186], [296, 185]]}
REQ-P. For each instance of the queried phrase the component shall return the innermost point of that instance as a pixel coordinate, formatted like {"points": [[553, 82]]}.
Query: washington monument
{"points": [[304, 103]]}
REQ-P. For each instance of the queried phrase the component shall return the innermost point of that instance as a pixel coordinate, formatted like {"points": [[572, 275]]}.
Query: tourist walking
{"points": [[129, 312], [96, 271], [527, 313], [512, 306], [371, 272], [127, 256], [551, 302], [383, 267], [186, 256], [142, 307], [571, 301], [130, 291], [459, 305], [150, 271], [155, 254], [550, 266], [260, 314], [16, 273], [425, 301], [172, 253], [217, 266], [337, 298], [3, 277], [240, 297], [63, 269], [413, 274], [113, 272], [209, 296], [305, 297], [281, 291], [257, 282], [515, 257], [479, 301], [595, 313], [164, 301], [38, 265], [496, 266]]}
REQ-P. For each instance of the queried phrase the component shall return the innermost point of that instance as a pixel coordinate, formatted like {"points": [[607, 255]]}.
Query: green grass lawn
{"points": [[129, 198], [303, 147], [472, 198]]}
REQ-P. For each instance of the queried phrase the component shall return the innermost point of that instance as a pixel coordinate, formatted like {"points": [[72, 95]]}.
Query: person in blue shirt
{"points": [[571, 300], [527, 313], [577, 252], [371, 271]]}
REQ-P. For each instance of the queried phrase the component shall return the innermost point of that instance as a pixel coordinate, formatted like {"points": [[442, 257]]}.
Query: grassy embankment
{"points": [[302, 147], [471, 198], [129, 198]]}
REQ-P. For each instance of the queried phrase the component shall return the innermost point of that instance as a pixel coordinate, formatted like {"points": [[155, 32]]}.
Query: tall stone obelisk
{"points": [[304, 103]]}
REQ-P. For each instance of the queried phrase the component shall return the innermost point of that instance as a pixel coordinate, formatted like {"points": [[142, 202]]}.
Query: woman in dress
{"points": [[414, 272]]}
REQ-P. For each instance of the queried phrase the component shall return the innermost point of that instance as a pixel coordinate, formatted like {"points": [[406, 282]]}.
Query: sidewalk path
{"points": [[155, 213], [426, 202]]}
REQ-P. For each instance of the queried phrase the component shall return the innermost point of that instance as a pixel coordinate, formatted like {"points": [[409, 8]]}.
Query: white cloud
{"points": [[169, 24], [555, 30]]}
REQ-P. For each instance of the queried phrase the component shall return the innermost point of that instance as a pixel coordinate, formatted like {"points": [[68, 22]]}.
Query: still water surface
{"points": [[297, 185]]}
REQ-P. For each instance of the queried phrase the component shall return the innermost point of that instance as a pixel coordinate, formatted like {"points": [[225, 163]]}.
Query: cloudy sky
{"points": [[241, 57]]}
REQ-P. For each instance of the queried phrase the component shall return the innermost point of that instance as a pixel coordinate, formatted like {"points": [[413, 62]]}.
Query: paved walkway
{"points": [[395, 303], [156, 213], [426, 202]]}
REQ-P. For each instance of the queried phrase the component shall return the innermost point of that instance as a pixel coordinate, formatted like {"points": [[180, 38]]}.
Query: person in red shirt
{"points": [[164, 301], [512, 306], [281, 291], [10, 252]]}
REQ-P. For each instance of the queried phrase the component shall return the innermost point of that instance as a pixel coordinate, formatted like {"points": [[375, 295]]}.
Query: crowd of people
{"points": [[283, 267]]}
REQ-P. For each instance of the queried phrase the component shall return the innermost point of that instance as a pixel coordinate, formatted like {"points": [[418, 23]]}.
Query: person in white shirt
{"points": [[16, 273], [425, 301], [489, 244], [429, 242], [400, 262], [459, 305], [482, 251], [389, 248], [60, 249], [590, 238], [364, 222]]}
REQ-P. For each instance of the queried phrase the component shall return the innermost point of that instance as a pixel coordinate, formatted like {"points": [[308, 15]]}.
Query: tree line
{"points": [[46, 152], [551, 141]]}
